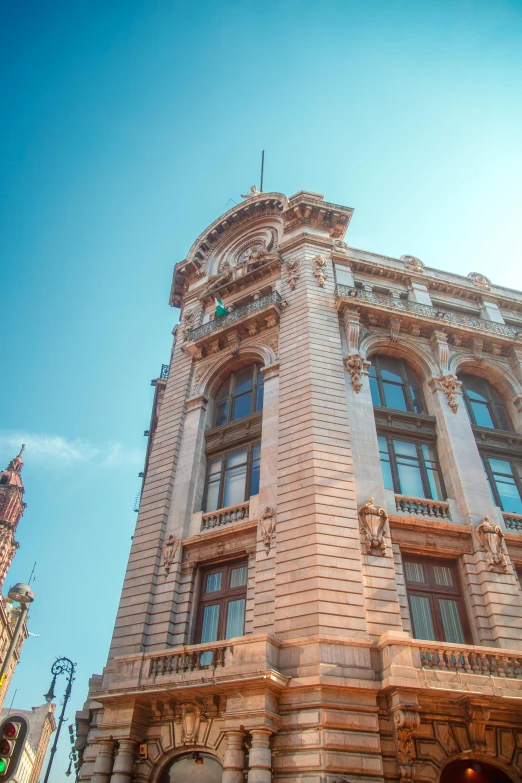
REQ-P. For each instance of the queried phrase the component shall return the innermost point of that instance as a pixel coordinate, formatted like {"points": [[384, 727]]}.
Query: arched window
{"points": [[483, 403], [240, 395], [394, 385]]}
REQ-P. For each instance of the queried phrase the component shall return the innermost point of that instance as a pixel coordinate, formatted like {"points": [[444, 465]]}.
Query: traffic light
{"points": [[13, 731]]}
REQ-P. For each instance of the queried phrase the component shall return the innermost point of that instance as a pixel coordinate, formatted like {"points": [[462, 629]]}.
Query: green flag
{"points": [[220, 307]]}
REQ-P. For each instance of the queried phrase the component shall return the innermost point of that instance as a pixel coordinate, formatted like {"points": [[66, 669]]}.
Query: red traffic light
{"points": [[6, 747], [10, 730]]}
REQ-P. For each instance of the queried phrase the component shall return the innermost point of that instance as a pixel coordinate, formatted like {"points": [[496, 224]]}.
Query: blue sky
{"points": [[127, 127]]}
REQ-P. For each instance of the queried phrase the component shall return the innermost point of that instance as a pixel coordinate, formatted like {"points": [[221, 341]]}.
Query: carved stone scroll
{"points": [[491, 538], [373, 520], [292, 269], [170, 549], [477, 716], [440, 347], [356, 366], [450, 385], [404, 723], [395, 328], [319, 269], [267, 528], [352, 328]]}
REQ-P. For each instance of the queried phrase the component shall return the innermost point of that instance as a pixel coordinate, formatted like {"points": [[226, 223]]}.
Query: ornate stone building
{"points": [[12, 507], [322, 584]]}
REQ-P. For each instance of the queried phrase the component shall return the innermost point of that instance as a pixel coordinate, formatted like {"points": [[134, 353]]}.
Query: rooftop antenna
{"points": [[11, 705], [262, 169], [32, 577]]}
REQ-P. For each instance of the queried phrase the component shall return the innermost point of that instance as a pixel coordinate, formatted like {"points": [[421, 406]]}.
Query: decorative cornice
{"points": [[306, 208]]}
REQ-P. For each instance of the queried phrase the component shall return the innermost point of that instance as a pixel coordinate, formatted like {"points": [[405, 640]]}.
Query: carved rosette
{"points": [[267, 524], [372, 519], [491, 538], [292, 270], [450, 385], [405, 722], [356, 366], [319, 269], [169, 550]]}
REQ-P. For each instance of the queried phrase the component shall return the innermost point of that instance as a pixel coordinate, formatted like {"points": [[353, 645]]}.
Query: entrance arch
{"points": [[194, 767], [473, 771]]}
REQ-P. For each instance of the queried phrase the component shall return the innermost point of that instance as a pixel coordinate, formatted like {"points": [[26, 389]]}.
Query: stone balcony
{"points": [[422, 507], [513, 522], [225, 516], [246, 320], [416, 313]]}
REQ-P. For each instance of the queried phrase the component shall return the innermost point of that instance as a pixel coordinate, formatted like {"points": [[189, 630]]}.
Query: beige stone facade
{"points": [[369, 558]]}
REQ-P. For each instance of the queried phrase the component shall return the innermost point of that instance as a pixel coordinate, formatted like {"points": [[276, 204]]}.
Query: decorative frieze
{"points": [[491, 538], [319, 269], [373, 520]]}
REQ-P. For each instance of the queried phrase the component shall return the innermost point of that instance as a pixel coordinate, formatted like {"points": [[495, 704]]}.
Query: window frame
{"points": [[432, 591], [491, 404], [486, 456], [405, 384], [221, 597], [229, 399], [418, 443], [222, 455]]}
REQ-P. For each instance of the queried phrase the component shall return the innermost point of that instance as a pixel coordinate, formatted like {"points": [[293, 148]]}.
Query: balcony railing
{"points": [[225, 320], [459, 658], [225, 516], [437, 313], [164, 374], [422, 507], [513, 521], [187, 661]]}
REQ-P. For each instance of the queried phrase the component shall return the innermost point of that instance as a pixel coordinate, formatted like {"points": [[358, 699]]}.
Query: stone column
{"points": [[260, 757], [124, 761], [234, 762], [103, 762], [263, 618], [493, 595]]}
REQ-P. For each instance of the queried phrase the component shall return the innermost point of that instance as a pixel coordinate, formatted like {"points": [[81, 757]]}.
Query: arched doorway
{"points": [[194, 767], [473, 771]]}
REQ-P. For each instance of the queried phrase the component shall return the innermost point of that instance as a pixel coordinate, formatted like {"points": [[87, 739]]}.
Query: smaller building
{"points": [[41, 725]]}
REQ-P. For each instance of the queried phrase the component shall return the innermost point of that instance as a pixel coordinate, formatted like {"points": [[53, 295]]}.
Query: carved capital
{"points": [[491, 539], [267, 525], [319, 269], [372, 519], [357, 367]]}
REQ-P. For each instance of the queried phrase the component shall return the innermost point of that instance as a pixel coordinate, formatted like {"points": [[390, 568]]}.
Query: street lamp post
{"points": [[59, 666], [24, 595]]}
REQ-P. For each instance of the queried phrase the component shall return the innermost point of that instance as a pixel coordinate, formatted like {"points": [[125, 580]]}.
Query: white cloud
{"points": [[56, 451]]}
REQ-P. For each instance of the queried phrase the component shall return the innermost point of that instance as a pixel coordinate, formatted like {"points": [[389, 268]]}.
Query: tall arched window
{"points": [[394, 385], [483, 403], [240, 395]]}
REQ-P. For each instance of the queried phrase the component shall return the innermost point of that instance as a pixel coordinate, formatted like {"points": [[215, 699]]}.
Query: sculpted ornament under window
{"points": [[267, 528], [319, 267], [373, 520], [450, 384], [355, 365], [491, 539]]}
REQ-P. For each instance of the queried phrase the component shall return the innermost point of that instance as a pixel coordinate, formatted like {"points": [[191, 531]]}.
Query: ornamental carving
{"points": [[169, 549], [253, 192], [476, 716], [481, 281], [405, 722], [413, 263], [267, 525], [355, 365], [189, 321], [372, 519], [292, 269], [192, 715], [319, 269], [491, 538], [450, 385], [339, 246]]}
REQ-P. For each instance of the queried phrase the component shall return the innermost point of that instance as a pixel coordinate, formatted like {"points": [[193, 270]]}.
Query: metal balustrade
{"points": [[164, 374], [513, 521], [273, 297], [422, 507], [445, 657], [187, 661], [225, 516], [437, 313]]}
